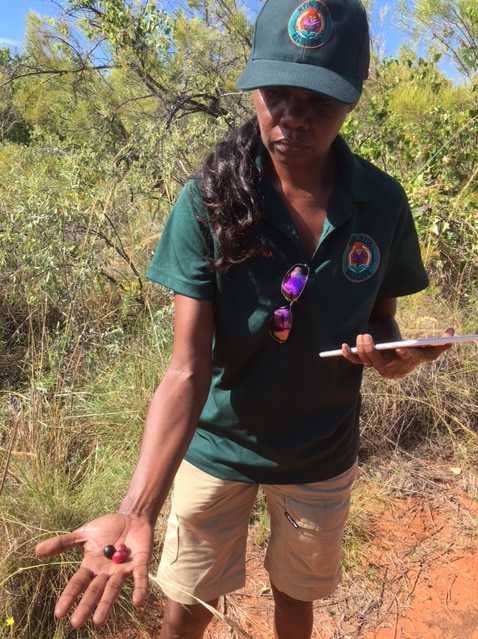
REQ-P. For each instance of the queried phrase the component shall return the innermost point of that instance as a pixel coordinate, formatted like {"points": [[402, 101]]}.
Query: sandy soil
{"points": [[415, 577], [423, 583]]}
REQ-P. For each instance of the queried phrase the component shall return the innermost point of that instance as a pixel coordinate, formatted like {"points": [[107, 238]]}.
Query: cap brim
{"points": [[274, 73]]}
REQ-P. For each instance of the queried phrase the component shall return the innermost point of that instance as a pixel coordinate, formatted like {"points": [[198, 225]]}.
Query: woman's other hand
{"points": [[394, 363]]}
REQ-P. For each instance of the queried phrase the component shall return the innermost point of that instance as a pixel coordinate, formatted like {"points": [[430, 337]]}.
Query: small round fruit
{"points": [[121, 548], [109, 551], [118, 557]]}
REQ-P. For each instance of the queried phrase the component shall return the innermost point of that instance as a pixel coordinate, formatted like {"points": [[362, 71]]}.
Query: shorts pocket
{"points": [[319, 514]]}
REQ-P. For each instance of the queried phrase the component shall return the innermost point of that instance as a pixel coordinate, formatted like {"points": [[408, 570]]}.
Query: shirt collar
{"points": [[353, 178]]}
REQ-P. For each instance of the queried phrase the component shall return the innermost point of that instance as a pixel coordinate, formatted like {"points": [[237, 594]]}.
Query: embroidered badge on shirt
{"points": [[310, 25], [361, 258]]}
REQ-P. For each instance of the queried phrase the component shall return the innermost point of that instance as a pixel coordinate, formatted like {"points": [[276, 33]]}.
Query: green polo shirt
{"points": [[278, 413]]}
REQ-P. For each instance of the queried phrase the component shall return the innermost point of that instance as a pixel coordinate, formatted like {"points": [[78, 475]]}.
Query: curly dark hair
{"points": [[229, 181]]}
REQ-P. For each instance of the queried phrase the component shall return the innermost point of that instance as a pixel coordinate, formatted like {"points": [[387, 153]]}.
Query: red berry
{"points": [[118, 557], [121, 548]]}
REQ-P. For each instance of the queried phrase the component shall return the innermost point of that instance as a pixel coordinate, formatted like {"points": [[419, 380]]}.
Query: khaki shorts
{"points": [[205, 543]]}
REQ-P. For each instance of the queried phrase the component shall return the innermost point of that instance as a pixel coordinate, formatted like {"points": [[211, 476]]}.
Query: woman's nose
{"points": [[294, 114]]}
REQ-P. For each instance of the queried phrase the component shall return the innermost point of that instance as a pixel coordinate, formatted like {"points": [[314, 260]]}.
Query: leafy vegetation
{"points": [[103, 116]]}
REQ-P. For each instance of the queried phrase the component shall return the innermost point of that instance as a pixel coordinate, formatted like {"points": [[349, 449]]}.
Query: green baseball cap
{"points": [[319, 45]]}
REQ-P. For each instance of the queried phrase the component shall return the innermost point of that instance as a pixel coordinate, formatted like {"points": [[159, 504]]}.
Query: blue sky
{"points": [[13, 16], [14, 13]]}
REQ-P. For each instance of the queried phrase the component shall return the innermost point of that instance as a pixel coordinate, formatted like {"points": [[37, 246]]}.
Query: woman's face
{"points": [[298, 126]]}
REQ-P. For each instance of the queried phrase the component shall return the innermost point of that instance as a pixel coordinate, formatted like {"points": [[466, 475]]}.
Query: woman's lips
{"points": [[289, 146]]}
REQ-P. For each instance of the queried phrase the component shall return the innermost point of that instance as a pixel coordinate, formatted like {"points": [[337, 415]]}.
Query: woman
{"points": [[286, 245]]}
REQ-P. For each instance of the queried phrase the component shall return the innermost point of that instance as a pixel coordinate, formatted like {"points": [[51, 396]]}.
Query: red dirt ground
{"points": [[425, 564]]}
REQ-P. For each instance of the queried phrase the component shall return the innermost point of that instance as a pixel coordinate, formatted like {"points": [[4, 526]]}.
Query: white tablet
{"points": [[408, 343]]}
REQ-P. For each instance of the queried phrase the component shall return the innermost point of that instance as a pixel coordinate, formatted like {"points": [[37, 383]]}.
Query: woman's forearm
{"points": [[169, 427]]}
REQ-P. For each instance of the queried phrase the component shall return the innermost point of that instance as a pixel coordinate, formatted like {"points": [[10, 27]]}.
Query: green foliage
{"points": [[103, 117], [105, 140], [418, 126], [75, 432], [125, 24], [13, 126], [56, 212], [449, 27]]}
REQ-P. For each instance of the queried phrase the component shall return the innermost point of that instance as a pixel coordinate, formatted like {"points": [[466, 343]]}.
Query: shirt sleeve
{"points": [[405, 272], [181, 260]]}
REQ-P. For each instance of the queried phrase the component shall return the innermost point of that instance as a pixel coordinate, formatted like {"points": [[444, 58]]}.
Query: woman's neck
{"points": [[314, 180]]}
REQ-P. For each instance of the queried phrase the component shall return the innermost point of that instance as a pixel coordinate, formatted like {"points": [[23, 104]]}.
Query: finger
{"points": [[111, 594], [406, 354], [348, 355], [433, 352], [98, 600], [141, 583], [347, 351], [86, 607], [77, 585], [366, 350], [58, 545]]}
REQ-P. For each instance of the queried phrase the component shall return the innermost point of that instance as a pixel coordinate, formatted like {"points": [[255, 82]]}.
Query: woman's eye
{"points": [[275, 92], [323, 99]]}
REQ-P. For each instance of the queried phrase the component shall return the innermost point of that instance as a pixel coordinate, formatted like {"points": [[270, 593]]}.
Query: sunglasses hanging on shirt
{"points": [[292, 286]]}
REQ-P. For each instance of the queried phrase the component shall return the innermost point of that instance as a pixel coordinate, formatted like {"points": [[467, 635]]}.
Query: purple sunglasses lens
{"points": [[281, 323], [294, 282]]}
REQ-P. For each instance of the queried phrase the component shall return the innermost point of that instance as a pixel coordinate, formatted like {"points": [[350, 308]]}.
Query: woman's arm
{"points": [[174, 409], [169, 427]]}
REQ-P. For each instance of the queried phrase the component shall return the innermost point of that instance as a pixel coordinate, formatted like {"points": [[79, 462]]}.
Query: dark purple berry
{"points": [[109, 551]]}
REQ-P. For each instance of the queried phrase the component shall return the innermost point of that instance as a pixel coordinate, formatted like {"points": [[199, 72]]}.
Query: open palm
{"points": [[99, 581]]}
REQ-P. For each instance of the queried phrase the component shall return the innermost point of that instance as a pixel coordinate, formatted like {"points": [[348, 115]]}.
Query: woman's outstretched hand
{"points": [[394, 363], [99, 580]]}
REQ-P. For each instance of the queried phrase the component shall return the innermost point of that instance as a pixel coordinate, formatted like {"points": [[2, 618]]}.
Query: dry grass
{"points": [[63, 459]]}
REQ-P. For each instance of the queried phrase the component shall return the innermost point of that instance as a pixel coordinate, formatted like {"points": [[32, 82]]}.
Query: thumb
{"points": [[57, 545]]}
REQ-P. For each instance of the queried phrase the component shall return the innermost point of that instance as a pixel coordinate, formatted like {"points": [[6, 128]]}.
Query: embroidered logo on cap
{"points": [[361, 258], [310, 25]]}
